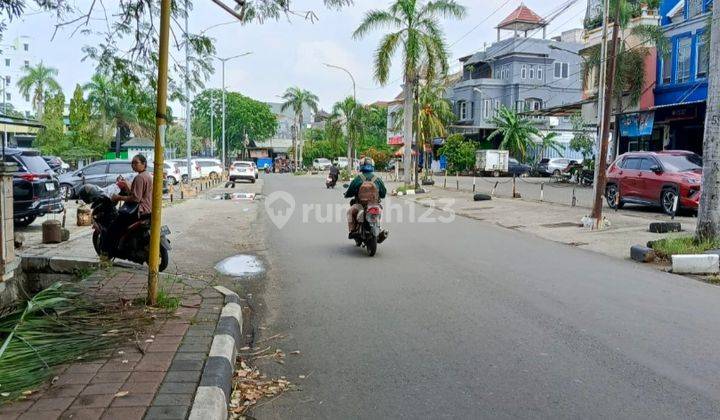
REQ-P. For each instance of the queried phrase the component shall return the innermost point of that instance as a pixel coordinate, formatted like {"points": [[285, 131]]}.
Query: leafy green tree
{"points": [[51, 140], [547, 141], [297, 99], [38, 82], [374, 136], [243, 115], [460, 153], [348, 113], [176, 142], [419, 36], [83, 138], [516, 133], [581, 142]]}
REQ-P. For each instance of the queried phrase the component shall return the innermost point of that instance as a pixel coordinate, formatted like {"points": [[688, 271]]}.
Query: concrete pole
{"points": [[188, 135], [212, 128], [223, 116], [601, 92], [4, 80]]}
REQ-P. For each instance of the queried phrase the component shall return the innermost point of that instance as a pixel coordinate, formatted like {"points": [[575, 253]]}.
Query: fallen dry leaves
{"points": [[250, 386]]}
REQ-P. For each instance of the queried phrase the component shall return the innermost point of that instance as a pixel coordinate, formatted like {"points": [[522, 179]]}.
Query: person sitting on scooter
{"points": [[367, 168], [334, 172], [140, 193]]}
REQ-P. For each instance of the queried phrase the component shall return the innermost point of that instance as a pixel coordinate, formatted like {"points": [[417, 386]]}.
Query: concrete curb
{"points": [[213, 393], [695, 264]]}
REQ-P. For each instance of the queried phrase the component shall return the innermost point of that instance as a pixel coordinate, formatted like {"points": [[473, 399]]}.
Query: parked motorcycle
{"points": [[133, 243]]}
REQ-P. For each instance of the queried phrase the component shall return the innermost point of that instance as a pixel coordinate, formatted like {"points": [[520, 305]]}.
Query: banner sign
{"points": [[638, 124]]}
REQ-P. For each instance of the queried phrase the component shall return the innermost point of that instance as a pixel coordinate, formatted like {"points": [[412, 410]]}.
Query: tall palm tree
{"points": [[297, 99], [101, 96], [547, 141], [517, 133], [38, 81], [348, 114], [422, 41]]}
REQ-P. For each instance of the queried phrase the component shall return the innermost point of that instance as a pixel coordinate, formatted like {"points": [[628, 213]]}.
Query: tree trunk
{"points": [[295, 146], [408, 128], [609, 87], [708, 223]]}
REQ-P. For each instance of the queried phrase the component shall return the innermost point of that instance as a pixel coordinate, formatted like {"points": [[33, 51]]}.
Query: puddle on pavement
{"points": [[240, 266], [239, 196]]}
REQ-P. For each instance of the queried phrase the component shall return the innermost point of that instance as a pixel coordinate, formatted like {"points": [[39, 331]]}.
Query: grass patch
{"points": [[664, 248], [167, 301]]}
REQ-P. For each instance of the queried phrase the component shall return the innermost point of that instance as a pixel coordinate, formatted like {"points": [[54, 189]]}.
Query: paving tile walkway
{"points": [[154, 378]]}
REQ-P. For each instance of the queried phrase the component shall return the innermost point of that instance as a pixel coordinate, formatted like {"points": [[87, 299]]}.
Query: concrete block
{"points": [[34, 264], [72, 265], [664, 227], [696, 264], [642, 253], [713, 251]]}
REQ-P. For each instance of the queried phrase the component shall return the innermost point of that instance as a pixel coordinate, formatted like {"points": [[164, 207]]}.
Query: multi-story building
{"points": [[681, 87], [524, 72], [15, 56]]}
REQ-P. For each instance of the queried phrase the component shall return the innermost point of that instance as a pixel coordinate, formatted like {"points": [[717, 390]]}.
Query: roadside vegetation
{"points": [[664, 248]]}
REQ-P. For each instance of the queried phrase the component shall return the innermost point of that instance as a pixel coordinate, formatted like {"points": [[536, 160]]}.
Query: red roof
{"points": [[522, 15]]}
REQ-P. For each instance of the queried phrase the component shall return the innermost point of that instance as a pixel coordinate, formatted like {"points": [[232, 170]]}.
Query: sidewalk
{"points": [[152, 377], [556, 222]]}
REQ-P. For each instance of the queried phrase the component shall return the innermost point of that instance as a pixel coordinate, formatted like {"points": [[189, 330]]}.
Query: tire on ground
{"points": [[481, 197], [665, 227]]}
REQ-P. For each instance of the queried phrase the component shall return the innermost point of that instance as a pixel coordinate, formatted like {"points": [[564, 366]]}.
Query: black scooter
{"points": [[133, 243], [330, 181]]}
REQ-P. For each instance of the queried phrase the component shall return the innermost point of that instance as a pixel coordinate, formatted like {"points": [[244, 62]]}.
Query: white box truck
{"points": [[491, 162]]}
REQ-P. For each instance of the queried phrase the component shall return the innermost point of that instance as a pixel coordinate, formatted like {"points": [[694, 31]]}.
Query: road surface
{"points": [[470, 320]]}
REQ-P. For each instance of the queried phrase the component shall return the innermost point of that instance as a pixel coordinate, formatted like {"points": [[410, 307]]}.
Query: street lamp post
{"points": [[224, 60], [4, 81], [188, 135], [350, 147]]}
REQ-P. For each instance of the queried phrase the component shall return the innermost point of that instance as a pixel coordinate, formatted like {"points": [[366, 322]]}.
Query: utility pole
{"points": [[223, 61], [188, 135], [161, 126], [601, 91], [607, 111], [708, 223], [4, 80], [212, 126]]}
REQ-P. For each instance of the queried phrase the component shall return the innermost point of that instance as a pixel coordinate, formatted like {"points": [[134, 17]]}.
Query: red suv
{"points": [[655, 178]]}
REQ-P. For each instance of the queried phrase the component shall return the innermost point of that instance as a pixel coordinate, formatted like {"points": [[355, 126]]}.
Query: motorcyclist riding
{"points": [[367, 175], [334, 172]]}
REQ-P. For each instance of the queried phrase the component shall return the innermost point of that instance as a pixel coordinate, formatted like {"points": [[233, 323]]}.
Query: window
{"points": [[533, 104], [647, 164], [632, 163], [497, 107], [94, 169], [26, 47], [120, 168], [487, 104], [694, 8], [7, 62], [683, 60], [8, 96], [462, 110], [666, 68], [519, 106], [532, 72], [540, 73], [7, 80], [558, 69], [702, 56], [27, 64], [565, 70], [523, 71]]}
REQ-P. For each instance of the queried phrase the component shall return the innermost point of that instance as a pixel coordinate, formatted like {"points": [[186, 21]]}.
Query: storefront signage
{"points": [[637, 124]]}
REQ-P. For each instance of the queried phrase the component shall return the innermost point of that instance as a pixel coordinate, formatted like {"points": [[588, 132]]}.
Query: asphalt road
{"points": [[470, 320]]}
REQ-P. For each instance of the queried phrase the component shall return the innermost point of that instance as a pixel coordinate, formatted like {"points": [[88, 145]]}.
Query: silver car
{"points": [[552, 166]]}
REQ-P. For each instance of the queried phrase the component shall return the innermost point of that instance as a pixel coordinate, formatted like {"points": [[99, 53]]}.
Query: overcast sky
{"points": [[291, 53]]}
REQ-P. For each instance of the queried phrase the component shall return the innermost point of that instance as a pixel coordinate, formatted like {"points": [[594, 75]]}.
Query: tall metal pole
{"points": [[223, 114], [161, 126], [188, 135], [212, 127], [4, 80], [350, 146]]}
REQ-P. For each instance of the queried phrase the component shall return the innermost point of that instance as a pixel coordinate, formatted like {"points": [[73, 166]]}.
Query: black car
{"points": [[518, 169], [36, 191], [55, 163]]}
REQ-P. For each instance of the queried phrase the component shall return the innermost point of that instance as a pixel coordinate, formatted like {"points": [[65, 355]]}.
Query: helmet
{"points": [[367, 165]]}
